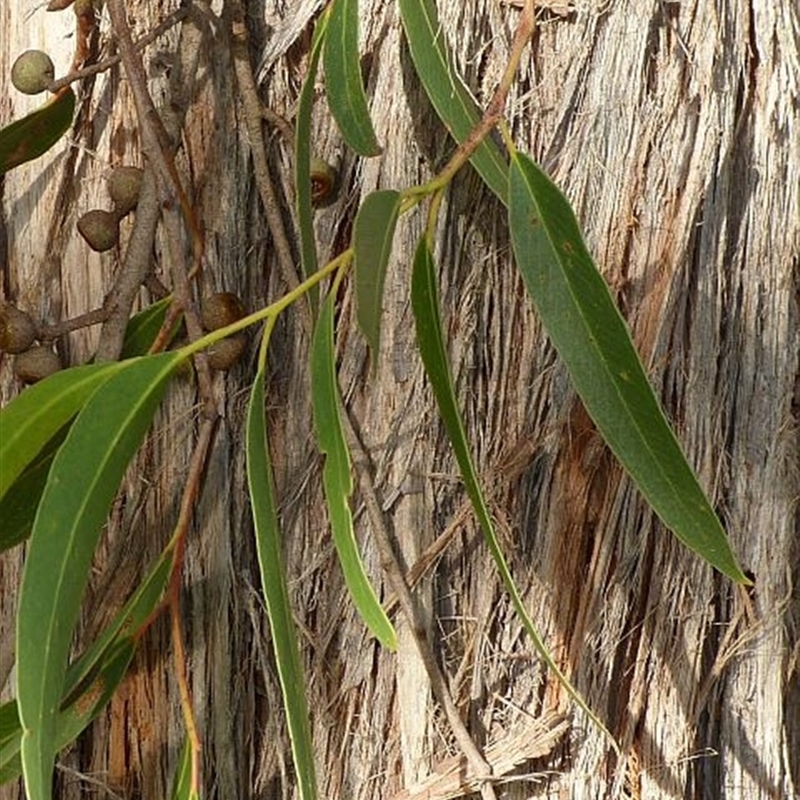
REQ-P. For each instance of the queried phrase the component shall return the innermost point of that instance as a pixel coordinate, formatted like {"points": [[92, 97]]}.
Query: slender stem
{"points": [[188, 503], [93, 317], [158, 148], [492, 116], [273, 309], [264, 347], [253, 113], [106, 64]]}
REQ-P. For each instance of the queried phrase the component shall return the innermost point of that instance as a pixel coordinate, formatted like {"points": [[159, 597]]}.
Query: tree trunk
{"points": [[673, 129]]}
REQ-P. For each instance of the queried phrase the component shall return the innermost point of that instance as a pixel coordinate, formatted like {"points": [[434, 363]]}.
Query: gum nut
{"points": [[17, 331], [32, 72], [35, 364], [100, 229], [224, 354], [221, 309], [323, 182], [124, 185]]}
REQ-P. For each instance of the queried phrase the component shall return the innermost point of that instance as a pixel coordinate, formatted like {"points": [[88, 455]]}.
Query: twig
{"points": [[188, 502], [106, 64], [136, 265], [158, 147], [494, 111], [93, 317], [481, 770], [277, 121], [253, 113]]}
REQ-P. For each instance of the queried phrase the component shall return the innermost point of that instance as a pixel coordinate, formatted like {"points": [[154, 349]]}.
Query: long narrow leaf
{"points": [[372, 240], [302, 158], [76, 717], [273, 581], [450, 97], [337, 479], [92, 679], [34, 417], [34, 134], [425, 305], [142, 329], [18, 505], [588, 332], [182, 782], [81, 486], [344, 89]]}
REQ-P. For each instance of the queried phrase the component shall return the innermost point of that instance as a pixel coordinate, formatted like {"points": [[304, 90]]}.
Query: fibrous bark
{"points": [[673, 128]]}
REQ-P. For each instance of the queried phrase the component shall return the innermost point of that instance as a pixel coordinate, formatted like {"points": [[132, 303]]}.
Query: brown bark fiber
{"points": [[674, 129]]}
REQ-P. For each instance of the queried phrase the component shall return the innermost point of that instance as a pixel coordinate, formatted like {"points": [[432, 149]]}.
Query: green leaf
{"points": [[302, 159], [182, 783], [32, 418], [36, 133], [425, 306], [143, 328], [125, 625], [372, 240], [343, 86], [10, 725], [73, 719], [447, 92], [81, 486], [591, 337], [273, 581], [18, 505], [337, 478], [100, 662]]}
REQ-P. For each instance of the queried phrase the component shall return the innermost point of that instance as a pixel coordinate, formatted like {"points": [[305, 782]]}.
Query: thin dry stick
{"points": [[188, 502], [93, 317], [253, 114], [158, 149], [106, 64], [482, 771]]}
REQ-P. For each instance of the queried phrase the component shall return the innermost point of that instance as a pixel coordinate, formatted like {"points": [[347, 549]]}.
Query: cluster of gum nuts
{"points": [[100, 229], [32, 73]]}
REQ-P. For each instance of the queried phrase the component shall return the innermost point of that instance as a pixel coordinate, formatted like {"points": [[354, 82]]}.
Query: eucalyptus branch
{"points": [[273, 309]]}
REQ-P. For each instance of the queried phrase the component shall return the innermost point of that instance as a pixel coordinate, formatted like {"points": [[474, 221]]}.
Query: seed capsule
{"points": [[100, 229], [17, 331], [224, 354], [323, 182], [36, 364], [32, 72], [221, 309], [124, 185]]}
